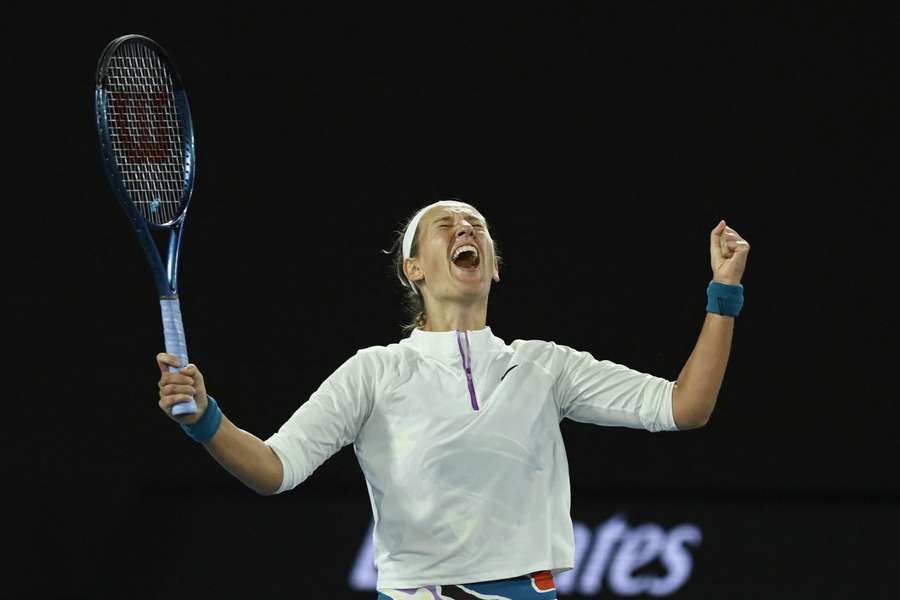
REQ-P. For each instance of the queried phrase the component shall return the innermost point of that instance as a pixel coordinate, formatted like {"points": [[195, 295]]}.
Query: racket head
{"points": [[146, 131]]}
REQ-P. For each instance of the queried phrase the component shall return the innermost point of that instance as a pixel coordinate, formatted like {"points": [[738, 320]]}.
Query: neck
{"points": [[456, 316]]}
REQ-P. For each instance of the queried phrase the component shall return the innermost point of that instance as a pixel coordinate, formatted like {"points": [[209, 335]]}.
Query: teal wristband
{"points": [[203, 430], [724, 299]]}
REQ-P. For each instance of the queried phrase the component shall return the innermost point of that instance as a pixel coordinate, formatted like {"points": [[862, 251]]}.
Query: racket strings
{"points": [[145, 130]]}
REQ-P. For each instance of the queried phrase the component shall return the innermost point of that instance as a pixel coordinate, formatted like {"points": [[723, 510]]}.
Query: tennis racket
{"points": [[147, 142]]}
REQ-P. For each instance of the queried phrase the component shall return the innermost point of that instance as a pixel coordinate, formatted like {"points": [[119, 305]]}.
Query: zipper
{"points": [[466, 354]]}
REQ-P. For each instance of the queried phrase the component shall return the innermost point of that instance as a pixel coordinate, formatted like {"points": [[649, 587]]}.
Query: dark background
{"points": [[602, 142]]}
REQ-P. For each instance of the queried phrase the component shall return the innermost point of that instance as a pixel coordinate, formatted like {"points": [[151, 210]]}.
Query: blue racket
{"points": [[147, 142]]}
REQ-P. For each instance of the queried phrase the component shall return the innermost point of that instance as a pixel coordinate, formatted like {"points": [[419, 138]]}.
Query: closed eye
{"points": [[448, 222]]}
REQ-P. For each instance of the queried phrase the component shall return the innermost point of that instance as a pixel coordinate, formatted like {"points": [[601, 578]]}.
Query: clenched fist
{"points": [[178, 387], [728, 254]]}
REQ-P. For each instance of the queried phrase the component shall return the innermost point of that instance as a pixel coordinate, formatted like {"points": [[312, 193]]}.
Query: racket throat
{"points": [[172, 260]]}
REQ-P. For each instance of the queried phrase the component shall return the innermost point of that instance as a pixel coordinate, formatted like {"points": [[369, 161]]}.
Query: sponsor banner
{"points": [[315, 543], [610, 554]]}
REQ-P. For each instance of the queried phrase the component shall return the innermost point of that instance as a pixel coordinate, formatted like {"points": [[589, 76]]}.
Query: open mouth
{"points": [[466, 257]]}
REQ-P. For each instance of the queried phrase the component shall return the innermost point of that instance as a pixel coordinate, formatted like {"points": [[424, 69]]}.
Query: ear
{"points": [[496, 270], [412, 270]]}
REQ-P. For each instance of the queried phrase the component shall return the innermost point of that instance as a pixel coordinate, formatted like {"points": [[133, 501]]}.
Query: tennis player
{"points": [[456, 431]]}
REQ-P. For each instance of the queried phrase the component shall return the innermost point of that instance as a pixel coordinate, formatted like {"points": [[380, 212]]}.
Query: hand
{"points": [[728, 254], [180, 387]]}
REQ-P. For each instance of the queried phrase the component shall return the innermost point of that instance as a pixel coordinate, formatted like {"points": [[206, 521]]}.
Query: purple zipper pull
{"points": [[466, 355]]}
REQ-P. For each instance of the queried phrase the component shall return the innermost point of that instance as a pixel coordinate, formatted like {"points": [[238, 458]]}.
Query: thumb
{"points": [[715, 235]]}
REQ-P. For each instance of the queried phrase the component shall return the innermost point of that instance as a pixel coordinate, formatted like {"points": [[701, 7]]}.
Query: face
{"points": [[456, 257]]}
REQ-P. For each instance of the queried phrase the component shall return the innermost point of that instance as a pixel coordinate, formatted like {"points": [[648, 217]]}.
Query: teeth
{"points": [[466, 248]]}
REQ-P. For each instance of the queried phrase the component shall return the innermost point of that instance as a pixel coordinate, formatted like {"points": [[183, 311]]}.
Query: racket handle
{"points": [[173, 332]]}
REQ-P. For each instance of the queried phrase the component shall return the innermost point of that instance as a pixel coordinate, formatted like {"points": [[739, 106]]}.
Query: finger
{"points": [[165, 360], [192, 371], [169, 378], [723, 246], [168, 402], [189, 369], [731, 239], [732, 234], [739, 246], [174, 390]]}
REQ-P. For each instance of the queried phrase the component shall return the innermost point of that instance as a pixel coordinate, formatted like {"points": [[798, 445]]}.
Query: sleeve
{"points": [[605, 393], [328, 421]]}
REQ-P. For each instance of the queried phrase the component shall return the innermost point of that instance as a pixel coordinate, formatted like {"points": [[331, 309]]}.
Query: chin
{"points": [[476, 291]]}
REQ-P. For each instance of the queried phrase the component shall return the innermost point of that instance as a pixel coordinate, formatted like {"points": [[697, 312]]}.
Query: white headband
{"points": [[408, 236], [410, 233]]}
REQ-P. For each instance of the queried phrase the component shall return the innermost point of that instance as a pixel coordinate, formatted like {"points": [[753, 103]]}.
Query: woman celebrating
{"points": [[456, 431]]}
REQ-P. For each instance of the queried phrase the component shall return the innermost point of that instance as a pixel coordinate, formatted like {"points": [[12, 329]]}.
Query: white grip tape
{"points": [[173, 332]]}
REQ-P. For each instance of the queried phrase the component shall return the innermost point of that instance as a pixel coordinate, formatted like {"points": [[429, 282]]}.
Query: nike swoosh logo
{"points": [[508, 370]]}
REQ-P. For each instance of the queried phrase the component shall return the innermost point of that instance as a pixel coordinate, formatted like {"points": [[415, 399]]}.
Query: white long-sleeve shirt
{"points": [[466, 468]]}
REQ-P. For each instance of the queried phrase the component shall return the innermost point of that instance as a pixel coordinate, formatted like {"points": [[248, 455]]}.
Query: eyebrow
{"points": [[449, 218]]}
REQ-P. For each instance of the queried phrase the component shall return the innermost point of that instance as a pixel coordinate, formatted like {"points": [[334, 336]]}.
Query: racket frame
{"points": [[165, 277]]}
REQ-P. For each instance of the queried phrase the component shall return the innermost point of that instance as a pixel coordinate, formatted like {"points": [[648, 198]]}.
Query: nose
{"points": [[465, 229]]}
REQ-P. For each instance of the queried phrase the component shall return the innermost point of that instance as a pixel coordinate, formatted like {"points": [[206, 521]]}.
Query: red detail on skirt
{"points": [[543, 581]]}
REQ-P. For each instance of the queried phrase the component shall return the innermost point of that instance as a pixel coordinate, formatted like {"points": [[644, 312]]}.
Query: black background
{"points": [[602, 142]]}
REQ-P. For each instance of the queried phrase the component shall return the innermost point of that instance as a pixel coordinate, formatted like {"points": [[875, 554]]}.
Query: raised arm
{"points": [[697, 388], [241, 453]]}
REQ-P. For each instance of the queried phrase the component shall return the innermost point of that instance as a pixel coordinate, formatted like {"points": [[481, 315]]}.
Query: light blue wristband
{"points": [[723, 299], [203, 430]]}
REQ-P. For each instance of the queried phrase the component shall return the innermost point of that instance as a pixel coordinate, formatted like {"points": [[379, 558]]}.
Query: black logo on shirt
{"points": [[508, 370]]}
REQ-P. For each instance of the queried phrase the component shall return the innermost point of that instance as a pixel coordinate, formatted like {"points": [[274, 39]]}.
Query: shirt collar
{"points": [[444, 344]]}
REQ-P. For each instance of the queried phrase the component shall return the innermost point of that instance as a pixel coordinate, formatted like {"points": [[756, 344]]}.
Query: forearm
{"points": [[246, 457], [701, 377]]}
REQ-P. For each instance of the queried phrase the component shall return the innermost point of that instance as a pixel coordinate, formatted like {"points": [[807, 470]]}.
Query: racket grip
{"points": [[173, 332]]}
